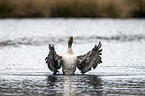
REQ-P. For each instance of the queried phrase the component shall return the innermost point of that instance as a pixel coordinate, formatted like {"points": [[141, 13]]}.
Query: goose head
{"points": [[70, 41]]}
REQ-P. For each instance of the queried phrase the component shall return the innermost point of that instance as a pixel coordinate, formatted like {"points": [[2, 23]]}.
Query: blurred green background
{"points": [[72, 8]]}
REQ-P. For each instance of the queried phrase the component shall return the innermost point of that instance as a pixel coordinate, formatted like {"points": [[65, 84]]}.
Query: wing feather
{"points": [[91, 59], [53, 60]]}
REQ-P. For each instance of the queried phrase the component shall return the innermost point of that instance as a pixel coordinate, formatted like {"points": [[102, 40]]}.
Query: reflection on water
{"points": [[72, 85], [75, 85], [69, 86], [61, 85]]}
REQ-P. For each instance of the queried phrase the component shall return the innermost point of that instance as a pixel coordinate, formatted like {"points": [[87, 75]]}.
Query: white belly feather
{"points": [[69, 63]]}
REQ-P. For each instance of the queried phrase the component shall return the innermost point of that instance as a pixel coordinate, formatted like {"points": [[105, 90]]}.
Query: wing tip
{"points": [[100, 44]]}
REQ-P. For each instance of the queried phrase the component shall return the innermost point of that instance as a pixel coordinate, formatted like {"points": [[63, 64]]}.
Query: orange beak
{"points": [[70, 37]]}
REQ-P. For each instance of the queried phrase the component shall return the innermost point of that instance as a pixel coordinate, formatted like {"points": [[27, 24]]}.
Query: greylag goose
{"points": [[69, 61]]}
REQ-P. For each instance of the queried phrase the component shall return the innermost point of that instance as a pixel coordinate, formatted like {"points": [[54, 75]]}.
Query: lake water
{"points": [[24, 46]]}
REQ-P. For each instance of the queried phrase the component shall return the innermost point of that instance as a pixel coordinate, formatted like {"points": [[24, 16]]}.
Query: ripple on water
{"points": [[73, 85], [37, 41]]}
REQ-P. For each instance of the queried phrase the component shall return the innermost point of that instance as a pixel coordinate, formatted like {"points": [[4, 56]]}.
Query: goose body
{"points": [[69, 61]]}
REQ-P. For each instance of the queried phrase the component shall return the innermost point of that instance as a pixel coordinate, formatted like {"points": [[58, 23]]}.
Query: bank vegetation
{"points": [[72, 8]]}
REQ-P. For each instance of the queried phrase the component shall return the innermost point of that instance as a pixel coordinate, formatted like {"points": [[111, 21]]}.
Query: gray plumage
{"points": [[53, 60], [91, 59], [70, 61]]}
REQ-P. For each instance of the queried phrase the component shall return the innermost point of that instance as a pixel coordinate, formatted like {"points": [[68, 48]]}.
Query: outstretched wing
{"points": [[53, 60], [91, 59]]}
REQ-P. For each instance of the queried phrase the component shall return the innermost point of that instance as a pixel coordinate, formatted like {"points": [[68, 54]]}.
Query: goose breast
{"points": [[69, 63]]}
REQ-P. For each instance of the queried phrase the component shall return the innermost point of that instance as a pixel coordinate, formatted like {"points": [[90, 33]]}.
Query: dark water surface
{"points": [[24, 46]]}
